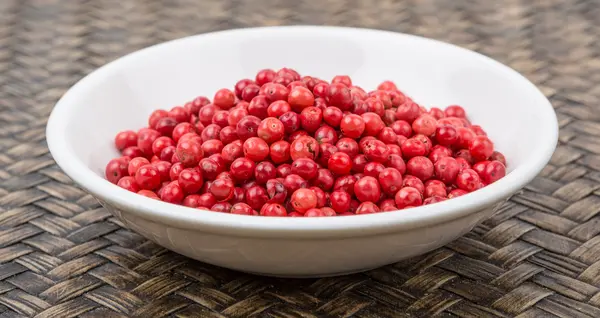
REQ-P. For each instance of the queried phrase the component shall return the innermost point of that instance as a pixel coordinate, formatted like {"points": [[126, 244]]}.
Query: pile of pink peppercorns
{"points": [[290, 145]]}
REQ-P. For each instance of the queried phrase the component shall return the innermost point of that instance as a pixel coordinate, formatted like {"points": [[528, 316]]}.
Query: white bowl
{"points": [[121, 95]]}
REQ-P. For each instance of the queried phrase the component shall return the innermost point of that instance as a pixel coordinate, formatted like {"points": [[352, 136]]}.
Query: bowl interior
{"points": [[432, 74], [121, 95]]}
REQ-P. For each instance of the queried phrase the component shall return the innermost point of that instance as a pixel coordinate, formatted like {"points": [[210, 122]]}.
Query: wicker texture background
{"points": [[62, 255]]}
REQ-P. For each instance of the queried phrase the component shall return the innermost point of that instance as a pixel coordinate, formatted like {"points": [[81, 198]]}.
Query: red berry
{"points": [[481, 148], [271, 130], [284, 170], [321, 196], [348, 146], [321, 90], [339, 201], [402, 128], [436, 113], [231, 152], [176, 169], [373, 169], [147, 177], [493, 172], [339, 163], [446, 169], [222, 189], [468, 180], [499, 157], [333, 116], [258, 107], [189, 153], [345, 183], [256, 197], [264, 172], [388, 205], [390, 180], [249, 92], [420, 167], [135, 164], [376, 150], [278, 108], [455, 111], [326, 134], [304, 147], [375, 105], [413, 147], [343, 79], [396, 162], [373, 123], [146, 138], [236, 115], [464, 137], [293, 182], [311, 118], [148, 194], [275, 209], [275, 91], [290, 121], [367, 208], [276, 191], [434, 199], [408, 197], [387, 136], [155, 116], [303, 199], [224, 98], [211, 147], [414, 182], [280, 151], [128, 183], [125, 139], [339, 96], [305, 168], [206, 200], [247, 127], [240, 85], [164, 170], [132, 152], [242, 209], [265, 76], [324, 179], [242, 169], [352, 126], [256, 149], [224, 207], [367, 189], [456, 193], [190, 180], [359, 162], [172, 193], [435, 188], [326, 211], [409, 111], [425, 125], [178, 113], [300, 97], [479, 167]]}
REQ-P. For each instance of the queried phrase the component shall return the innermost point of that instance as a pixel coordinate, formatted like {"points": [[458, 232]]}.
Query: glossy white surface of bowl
{"points": [[121, 95]]}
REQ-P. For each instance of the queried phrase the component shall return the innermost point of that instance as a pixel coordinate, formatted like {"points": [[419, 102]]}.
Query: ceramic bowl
{"points": [[121, 95]]}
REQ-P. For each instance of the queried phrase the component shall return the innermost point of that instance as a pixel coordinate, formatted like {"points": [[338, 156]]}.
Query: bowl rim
{"points": [[307, 228]]}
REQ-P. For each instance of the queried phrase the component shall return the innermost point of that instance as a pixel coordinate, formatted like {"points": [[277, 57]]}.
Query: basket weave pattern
{"points": [[62, 255]]}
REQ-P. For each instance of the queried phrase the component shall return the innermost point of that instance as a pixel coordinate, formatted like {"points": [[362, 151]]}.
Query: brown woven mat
{"points": [[62, 255]]}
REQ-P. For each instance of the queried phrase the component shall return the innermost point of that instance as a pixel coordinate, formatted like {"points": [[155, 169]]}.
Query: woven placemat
{"points": [[62, 255]]}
